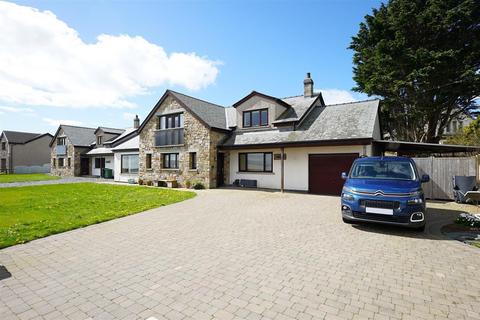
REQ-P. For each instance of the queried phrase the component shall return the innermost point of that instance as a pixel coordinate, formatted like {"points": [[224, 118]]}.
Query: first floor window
{"points": [[170, 160], [193, 160], [54, 162], [255, 118], [148, 161], [170, 121], [130, 163], [61, 162], [69, 162], [4, 146], [61, 141], [255, 162], [99, 140]]}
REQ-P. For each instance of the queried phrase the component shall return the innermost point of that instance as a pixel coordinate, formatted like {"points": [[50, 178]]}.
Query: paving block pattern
{"points": [[240, 254]]}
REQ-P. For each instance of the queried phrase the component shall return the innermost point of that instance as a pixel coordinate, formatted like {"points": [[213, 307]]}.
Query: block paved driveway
{"points": [[240, 254]]}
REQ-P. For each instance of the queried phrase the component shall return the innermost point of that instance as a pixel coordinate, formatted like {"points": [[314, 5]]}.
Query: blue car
{"points": [[384, 190]]}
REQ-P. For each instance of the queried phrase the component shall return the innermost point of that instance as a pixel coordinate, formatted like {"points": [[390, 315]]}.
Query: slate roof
{"points": [[125, 133], [212, 114], [355, 120], [20, 137], [131, 144], [111, 130], [299, 105], [79, 136]]}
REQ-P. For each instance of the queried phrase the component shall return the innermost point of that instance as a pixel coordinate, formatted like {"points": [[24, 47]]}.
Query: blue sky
{"points": [[58, 70]]}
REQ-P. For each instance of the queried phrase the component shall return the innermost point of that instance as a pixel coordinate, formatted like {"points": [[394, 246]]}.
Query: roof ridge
{"points": [[351, 102], [315, 94], [192, 97], [111, 128], [22, 132], [68, 125]]}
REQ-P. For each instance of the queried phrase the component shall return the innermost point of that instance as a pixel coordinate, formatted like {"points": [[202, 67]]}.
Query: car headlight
{"points": [[415, 201], [417, 193], [347, 196]]}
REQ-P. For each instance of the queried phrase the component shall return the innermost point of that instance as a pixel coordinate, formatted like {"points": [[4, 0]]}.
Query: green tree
{"points": [[469, 136], [422, 57]]}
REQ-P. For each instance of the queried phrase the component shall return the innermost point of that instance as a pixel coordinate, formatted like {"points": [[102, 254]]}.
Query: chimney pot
{"points": [[136, 122], [308, 86]]}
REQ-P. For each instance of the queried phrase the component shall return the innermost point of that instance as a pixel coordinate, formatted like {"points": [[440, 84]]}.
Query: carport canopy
{"points": [[408, 148]]}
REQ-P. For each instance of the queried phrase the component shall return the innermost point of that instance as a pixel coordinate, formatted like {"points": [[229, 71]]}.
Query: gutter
{"points": [[298, 144]]}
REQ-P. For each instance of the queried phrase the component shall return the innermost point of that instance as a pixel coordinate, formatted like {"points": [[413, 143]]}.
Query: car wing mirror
{"points": [[344, 176], [425, 178]]}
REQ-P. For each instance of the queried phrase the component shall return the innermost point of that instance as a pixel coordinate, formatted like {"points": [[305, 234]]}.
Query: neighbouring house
{"points": [[81, 151], [126, 160], [294, 143], [24, 152], [69, 148], [456, 125]]}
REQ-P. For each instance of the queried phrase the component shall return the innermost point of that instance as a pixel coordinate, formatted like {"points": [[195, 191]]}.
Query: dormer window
{"points": [[99, 140], [255, 118]]}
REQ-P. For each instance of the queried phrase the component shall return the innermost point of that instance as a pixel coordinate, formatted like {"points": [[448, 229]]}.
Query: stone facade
{"points": [[197, 138], [73, 153], [5, 154]]}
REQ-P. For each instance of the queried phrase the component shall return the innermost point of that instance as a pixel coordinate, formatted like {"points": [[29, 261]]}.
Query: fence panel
{"points": [[441, 171]]}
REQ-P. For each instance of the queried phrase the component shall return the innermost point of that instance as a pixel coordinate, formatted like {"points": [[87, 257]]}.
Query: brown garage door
{"points": [[324, 172]]}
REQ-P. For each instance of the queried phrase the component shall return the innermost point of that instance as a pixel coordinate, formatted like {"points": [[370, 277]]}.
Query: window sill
{"points": [[170, 146], [255, 172], [191, 170], [149, 169], [170, 169]]}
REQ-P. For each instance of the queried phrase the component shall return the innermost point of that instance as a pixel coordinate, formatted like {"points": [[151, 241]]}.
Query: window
{"points": [[255, 118], [99, 140], [170, 121], [69, 162], [61, 141], [99, 163], [148, 161], [193, 160], [54, 162], [61, 162], [170, 160], [255, 162], [4, 146], [130, 163]]}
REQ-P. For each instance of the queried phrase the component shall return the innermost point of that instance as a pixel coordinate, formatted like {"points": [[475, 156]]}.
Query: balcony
{"points": [[61, 150], [169, 137]]}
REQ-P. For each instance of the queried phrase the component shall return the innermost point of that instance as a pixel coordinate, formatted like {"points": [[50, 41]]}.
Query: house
{"points": [[82, 151], [69, 147], [126, 162], [24, 152], [294, 143]]}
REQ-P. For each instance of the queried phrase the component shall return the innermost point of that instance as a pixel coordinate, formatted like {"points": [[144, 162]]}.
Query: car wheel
{"points": [[347, 221]]}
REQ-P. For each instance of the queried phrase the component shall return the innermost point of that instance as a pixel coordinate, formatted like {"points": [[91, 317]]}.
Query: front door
{"points": [[84, 167], [220, 169]]}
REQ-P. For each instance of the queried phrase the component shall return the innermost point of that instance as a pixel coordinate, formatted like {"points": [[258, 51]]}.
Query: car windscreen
{"points": [[400, 170]]}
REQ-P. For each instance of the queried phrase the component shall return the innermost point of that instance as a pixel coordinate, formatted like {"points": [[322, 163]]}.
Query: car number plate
{"points": [[379, 211]]}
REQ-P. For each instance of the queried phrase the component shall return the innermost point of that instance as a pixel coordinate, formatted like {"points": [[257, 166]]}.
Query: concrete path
{"points": [[58, 181], [239, 254]]}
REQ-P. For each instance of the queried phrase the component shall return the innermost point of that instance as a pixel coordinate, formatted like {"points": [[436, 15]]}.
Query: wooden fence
{"points": [[441, 171]]}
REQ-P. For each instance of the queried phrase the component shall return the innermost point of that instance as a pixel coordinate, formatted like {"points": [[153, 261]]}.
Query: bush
{"points": [[149, 183], [140, 182], [198, 186], [188, 184], [468, 220]]}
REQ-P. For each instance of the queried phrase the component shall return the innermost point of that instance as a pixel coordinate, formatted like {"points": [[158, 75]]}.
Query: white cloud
{"points": [[333, 96], [57, 122], [16, 109], [45, 62]]}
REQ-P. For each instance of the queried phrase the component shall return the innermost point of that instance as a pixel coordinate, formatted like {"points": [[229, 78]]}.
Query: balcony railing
{"points": [[169, 137], [61, 150]]}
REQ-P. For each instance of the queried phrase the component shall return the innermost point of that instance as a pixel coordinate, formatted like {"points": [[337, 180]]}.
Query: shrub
{"points": [[198, 186], [140, 182], [468, 220], [149, 183], [188, 184]]}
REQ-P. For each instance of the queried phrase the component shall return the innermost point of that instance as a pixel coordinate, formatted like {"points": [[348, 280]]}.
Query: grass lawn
{"points": [[15, 177], [32, 212]]}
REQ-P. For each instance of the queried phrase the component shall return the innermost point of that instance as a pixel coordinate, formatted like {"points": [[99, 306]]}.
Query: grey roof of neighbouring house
{"points": [[79, 136], [111, 130], [354, 120], [212, 114], [20, 137]]}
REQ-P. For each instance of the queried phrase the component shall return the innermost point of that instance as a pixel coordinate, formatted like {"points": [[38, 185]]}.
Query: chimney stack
{"points": [[136, 122], [308, 86]]}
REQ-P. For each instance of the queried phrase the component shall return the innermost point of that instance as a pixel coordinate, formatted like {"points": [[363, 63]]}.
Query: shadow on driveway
{"points": [[4, 273], [436, 219]]}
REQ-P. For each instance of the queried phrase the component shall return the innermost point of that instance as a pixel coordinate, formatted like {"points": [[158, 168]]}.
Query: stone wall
{"points": [[4, 154], [197, 138], [74, 155]]}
